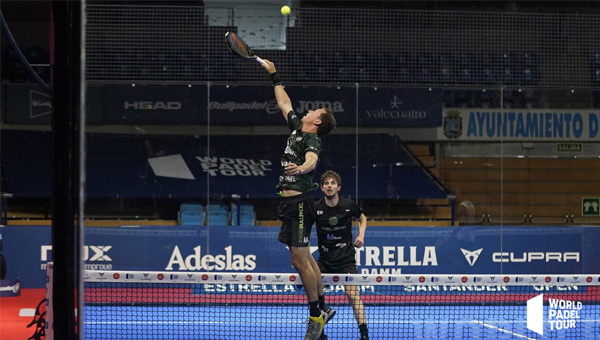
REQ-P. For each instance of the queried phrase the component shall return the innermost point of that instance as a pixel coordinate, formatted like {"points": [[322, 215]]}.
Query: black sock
{"points": [[314, 309], [322, 302], [363, 329]]}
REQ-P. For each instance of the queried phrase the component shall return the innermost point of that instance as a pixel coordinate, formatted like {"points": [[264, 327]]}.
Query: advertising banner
{"points": [[387, 250], [381, 106], [27, 104], [520, 125], [153, 104], [182, 166]]}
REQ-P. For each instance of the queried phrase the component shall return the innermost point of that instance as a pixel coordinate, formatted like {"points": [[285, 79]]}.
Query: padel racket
{"points": [[239, 47]]}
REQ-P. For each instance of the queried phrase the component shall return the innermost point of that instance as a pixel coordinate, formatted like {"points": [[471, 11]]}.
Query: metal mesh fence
{"points": [[186, 44]]}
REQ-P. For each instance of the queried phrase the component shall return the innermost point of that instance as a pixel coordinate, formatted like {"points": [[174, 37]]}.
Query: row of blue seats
{"points": [[218, 213], [321, 66]]}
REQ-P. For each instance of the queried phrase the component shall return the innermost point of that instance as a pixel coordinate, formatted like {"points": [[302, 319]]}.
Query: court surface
{"points": [[287, 322]]}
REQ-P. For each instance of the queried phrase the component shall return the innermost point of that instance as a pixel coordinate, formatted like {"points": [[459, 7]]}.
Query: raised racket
{"points": [[239, 47]]}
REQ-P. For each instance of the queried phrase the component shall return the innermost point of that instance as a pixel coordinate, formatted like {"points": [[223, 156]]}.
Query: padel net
{"points": [[221, 305]]}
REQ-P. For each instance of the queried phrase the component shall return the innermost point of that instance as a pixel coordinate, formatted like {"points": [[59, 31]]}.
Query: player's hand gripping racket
{"points": [[239, 47]]}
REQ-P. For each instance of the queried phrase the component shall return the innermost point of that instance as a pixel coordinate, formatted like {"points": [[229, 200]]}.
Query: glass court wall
{"points": [[481, 123]]}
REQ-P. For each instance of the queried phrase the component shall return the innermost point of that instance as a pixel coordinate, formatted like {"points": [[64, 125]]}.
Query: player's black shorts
{"points": [[297, 214], [344, 268]]}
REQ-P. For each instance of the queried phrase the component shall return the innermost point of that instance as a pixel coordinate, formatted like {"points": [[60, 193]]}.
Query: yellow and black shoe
{"points": [[315, 328]]}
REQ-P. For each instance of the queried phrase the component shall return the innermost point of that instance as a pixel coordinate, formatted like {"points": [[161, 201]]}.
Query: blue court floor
{"points": [[288, 322]]}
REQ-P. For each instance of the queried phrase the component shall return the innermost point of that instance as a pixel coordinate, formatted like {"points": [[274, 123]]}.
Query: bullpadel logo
{"points": [[562, 314]]}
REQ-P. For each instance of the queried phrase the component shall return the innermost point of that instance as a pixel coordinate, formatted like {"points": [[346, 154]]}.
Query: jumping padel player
{"points": [[296, 208]]}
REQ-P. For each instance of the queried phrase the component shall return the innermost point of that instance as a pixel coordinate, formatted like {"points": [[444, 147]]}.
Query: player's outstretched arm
{"points": [[283, 100]]}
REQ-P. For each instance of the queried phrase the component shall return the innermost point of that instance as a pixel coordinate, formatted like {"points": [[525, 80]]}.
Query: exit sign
{"points": [[569, 147], [590, 206]]}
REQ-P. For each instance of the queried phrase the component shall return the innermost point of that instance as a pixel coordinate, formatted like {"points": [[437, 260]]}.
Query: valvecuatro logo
{"points": [[395, 112]]}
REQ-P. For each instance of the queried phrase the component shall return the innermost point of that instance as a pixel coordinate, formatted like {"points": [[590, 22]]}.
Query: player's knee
{"points": [[299, 263]]}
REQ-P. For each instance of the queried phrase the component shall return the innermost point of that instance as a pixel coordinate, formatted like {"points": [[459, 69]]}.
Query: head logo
{"points": [[471, 256]]}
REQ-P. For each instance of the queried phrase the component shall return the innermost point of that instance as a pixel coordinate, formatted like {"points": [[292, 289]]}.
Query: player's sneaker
{"points": [[315, 327], [328, 314]]}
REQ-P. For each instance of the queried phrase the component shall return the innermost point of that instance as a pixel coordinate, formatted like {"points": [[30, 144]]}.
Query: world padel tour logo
{"points": [[562, 314], [234, 166]]}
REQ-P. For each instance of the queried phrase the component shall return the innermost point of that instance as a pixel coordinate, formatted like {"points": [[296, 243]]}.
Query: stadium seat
{"points": [[217, 214], [363, 66], [446, 70], [463, 98], [489, 69], [426, 69], [243, 213], [191, 213], [230, 66], [530, 72], [405, 69], [342, 67], [467, 69], [299, 63], [321, 70], [384, 67], [488, 99], [509, 69]]}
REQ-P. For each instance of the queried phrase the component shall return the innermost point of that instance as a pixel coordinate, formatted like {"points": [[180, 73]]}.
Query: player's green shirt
{"points": [[298, 143]]}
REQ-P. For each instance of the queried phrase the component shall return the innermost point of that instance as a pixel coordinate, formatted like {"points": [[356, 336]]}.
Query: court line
{"points": [[382, 322], [502, 330]]}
